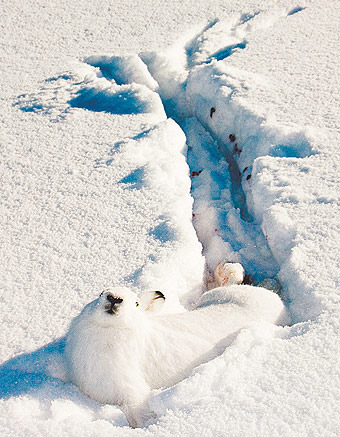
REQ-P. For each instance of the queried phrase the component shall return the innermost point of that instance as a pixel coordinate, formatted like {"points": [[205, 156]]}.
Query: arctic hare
{"points": [[118, 350]]}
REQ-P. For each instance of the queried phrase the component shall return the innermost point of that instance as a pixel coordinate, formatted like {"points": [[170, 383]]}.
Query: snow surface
{"points": [[106, 112]]}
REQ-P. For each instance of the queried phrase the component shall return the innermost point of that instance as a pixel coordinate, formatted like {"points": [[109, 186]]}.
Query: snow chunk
{"points": [[160, 153], [280, 232], [123, 70]]}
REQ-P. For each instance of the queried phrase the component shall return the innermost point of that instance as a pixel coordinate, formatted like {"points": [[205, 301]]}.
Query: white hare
{"points": [[121, 346]]}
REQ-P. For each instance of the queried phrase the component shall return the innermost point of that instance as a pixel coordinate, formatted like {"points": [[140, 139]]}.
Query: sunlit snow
{"points": [[143, 143]]}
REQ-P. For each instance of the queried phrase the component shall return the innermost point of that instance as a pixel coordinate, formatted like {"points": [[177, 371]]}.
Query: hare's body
{"points": [[116, 352]]}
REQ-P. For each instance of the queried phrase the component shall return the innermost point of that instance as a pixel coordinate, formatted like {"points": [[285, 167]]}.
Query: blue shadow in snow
{"points": [[32, 108], [124, 102], [133, 278], [163, 232], [135, 179], [108, 161], [227, 51], [248, 16], [291, 150], [295, 10], [27, 372], [62, 76]]}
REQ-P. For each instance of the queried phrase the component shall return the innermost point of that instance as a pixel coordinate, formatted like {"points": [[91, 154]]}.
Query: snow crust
{"points": [[142, 145]]}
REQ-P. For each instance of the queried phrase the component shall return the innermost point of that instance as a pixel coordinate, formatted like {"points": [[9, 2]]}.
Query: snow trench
{"points": [[229, 144], [235, 214]]}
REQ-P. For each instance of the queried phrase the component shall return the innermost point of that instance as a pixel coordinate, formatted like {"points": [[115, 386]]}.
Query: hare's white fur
{"points": [[119, 357]]}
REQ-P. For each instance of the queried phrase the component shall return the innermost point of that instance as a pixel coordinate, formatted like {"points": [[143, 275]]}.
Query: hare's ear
{"points": [[152, 301]]}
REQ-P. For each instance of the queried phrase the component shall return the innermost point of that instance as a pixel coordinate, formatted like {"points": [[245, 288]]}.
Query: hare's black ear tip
{"points": [[159, 295]]}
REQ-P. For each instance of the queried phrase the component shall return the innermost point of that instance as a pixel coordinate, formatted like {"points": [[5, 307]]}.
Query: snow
{"points": [[106, 113]]}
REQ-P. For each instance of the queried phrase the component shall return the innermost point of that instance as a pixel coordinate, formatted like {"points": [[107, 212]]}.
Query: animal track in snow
{"points": [[195, 85], [199, 90]]}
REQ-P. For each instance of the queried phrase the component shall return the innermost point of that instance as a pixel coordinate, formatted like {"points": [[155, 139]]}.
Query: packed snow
{"points": [[143, 144]]}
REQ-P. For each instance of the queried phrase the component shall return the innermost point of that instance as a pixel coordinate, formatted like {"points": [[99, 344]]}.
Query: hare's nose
{"points": [[113, 299]]}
